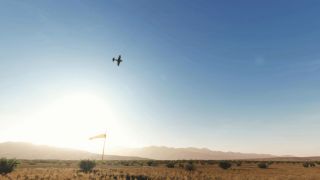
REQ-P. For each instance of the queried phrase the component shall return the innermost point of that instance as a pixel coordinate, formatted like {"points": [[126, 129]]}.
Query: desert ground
{"points": [[149, 169]]}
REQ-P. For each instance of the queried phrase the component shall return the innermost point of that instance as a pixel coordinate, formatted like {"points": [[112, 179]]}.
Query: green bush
{"points": [[305, 164], [308, 164], [225, 164], [210, 162], [238, 163], [270, 162], [87, 165], [125, 163], [7, 165], [312, 164], [181, 165], [189, 167], [263, 165], [150, 163], [170, 164]]}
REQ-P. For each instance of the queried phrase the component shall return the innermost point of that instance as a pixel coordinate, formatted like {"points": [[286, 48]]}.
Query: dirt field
{"points": [[141, 171]]}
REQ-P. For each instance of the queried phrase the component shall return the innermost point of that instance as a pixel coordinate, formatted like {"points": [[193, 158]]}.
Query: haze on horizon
{"points": [[226, 75]]}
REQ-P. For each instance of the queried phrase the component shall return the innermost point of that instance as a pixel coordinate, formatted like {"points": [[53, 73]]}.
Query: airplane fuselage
{"points": [[119, 60]]}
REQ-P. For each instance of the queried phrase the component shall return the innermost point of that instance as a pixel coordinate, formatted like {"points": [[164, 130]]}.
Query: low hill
{"points": [[21, 150]]}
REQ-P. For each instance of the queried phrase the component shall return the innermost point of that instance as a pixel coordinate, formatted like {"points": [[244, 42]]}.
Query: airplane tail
{"points": [[113, 59]]}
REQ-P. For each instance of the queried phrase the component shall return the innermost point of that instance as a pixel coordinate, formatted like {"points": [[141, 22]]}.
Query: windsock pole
{"points": [[104, 144]]}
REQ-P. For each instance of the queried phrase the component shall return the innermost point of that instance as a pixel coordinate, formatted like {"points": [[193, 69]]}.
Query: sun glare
{"points": [[70, 120]]}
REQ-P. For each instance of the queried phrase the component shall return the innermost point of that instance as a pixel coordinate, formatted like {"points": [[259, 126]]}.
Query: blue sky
{"points": [[227, 75]]}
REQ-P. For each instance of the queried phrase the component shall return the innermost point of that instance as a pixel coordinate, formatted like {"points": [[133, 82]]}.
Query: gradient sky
{"points": [[228, 75]]}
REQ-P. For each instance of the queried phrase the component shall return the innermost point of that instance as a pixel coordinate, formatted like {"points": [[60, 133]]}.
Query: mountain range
{"points": [[169, 153], [22, 150]]}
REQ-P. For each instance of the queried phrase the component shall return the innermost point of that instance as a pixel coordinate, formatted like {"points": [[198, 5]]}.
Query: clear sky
{"points": [[228, 75]]}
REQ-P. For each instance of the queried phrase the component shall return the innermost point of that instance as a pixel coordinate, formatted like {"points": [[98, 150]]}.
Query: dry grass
{"points": [[140, 170]]}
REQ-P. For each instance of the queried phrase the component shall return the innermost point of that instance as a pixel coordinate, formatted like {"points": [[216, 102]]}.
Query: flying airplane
{"points": [[119, 60]]}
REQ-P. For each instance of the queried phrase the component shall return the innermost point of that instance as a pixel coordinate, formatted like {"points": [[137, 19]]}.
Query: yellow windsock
{"points": [[99, 136]]}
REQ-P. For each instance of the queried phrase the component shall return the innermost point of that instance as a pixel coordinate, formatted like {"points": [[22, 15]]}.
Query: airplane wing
{"points": [[119, 57], [119, 63]]}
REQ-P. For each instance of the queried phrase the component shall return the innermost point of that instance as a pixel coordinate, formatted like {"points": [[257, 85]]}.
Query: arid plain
{"points": [[149, 169]]}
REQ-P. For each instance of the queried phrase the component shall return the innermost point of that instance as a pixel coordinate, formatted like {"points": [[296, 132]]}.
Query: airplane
{"points": [[119, 60]]}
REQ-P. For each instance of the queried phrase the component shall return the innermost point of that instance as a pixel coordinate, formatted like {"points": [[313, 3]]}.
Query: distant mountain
{"points": [[21, 150], [167, 153], [287, 158]]}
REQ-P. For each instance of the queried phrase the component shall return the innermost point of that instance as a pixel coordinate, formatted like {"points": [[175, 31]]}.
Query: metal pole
{"points": [[104, 143]]}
